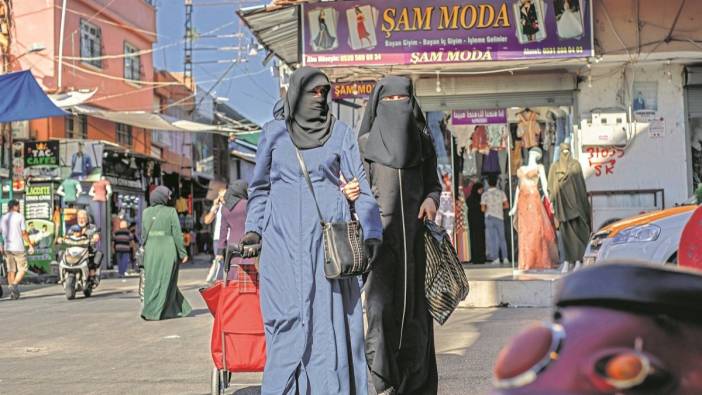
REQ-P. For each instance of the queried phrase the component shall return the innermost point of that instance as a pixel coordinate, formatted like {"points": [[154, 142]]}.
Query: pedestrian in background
{"points": [[14, 236], [122, 247], [233, 222], [163, 252], [215, 216], [493, 203], [401, 164], [313, 325], [133, 232]]}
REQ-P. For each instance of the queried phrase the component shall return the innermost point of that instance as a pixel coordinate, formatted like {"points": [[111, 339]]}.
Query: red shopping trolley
{"points": [[238, 343]]}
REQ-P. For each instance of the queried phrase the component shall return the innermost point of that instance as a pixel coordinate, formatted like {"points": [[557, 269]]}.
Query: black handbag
{"points": [[344, 255], [445, 282]]}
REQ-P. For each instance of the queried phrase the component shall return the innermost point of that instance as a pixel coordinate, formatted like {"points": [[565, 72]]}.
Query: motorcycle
{"points": [[74, 271]]}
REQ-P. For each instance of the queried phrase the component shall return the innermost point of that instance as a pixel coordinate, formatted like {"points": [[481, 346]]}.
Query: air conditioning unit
{"points": [[605, 127]]}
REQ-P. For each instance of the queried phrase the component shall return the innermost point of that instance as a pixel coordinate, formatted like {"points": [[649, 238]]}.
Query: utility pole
{"points": [[188, 58], [60, 48], [5, 48]]}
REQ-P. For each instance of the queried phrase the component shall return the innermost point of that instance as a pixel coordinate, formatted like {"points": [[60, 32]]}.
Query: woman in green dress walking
{"points": [[163, 252]]}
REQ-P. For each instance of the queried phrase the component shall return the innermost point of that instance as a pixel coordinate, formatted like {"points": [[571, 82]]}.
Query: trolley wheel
{"points": [[216, 382]]}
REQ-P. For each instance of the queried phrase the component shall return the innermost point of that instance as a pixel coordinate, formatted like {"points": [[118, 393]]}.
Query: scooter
{"points": [[74, 271]]}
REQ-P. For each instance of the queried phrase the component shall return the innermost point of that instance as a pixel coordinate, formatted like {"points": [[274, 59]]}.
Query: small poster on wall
{"points": [[656, 128], [645, 96]]}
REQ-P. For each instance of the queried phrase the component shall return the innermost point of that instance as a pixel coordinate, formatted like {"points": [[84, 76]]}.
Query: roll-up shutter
{"points": [[499, 100], [694, 101], [478, 92]]}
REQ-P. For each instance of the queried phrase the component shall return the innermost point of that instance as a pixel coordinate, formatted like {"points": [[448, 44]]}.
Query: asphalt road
{"points": [[100, 345]]}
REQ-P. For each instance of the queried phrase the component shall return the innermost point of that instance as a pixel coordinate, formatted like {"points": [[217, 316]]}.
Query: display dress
{"points": [[361, 27], [569, 23], [537, 238], [324, 39], [566, 186]]}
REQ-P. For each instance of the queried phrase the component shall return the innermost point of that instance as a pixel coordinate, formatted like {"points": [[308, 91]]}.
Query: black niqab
{"points": [[160, 196], [237, 191], [394, 127], [306, 115]]}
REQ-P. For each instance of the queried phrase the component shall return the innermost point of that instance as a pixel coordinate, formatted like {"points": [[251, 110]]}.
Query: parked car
{"points": [[652, 237]]}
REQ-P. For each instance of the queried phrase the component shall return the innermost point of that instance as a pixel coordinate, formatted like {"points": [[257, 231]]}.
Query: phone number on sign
{"points": [[562, 50]]}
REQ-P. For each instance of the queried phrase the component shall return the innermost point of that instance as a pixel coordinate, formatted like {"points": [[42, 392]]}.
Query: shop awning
{"points": [[148, 120], [70, 99], [276, 29], [22, 99]]}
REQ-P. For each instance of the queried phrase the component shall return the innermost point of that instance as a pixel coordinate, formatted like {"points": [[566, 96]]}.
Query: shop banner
{"points": [[82, 160], [479, 117], [41, 159], [38, 211], [352, 90], [389, 32]]}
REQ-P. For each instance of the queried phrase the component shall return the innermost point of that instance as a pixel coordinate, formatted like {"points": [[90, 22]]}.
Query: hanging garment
{"points": [[470, 166], [516, 157], [181, 205], [479, 140], [561, 134], [530, 129], [497, 137], [314, 326], [462, 236], [537, 238], [566, 186], [491, 164], [70, 190], [462, 134], [100, 190]]}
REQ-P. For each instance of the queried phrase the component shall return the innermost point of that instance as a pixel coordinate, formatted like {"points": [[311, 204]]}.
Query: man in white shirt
{"points": [[14, 236], [215, 215], [493, 202]]}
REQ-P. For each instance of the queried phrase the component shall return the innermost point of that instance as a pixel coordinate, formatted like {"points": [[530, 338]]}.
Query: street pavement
{"points": [[100, 345]]}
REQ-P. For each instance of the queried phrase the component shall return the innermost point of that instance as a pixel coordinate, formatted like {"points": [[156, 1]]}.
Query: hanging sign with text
{"points": [[390, 32], [352, 90], [479, 117]]}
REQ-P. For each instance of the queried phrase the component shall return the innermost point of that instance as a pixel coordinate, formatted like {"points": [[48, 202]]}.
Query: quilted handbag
{"points": [[445, 282]]}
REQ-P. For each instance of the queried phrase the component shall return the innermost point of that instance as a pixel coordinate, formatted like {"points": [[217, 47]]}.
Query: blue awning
{"points": [[23, 99]]}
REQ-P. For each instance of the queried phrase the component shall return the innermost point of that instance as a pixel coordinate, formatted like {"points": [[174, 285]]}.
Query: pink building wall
{"points": [[131, 21]]}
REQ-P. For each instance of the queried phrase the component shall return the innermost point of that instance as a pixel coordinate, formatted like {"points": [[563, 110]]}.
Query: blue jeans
{"points": [[495, 238], [123, 261]]}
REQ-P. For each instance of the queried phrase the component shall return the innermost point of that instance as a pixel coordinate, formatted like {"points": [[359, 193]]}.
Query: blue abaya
{"points": [[314, 326]]}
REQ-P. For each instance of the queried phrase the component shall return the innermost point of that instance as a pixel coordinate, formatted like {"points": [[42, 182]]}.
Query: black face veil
{"points": [[394, 126], [306, 115]]}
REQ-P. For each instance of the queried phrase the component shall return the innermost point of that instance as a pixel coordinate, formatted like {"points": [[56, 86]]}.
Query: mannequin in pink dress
{"points": [[538, 248]]}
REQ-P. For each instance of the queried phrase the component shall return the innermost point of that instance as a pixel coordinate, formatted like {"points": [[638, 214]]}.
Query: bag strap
{"points": [[303, 167], [146, 236]]}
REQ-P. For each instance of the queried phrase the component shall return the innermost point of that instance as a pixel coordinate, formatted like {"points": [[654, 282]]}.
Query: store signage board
{"points": [[479, 117], [38, 211], [41, 159], [389, 32], [352, 90]]}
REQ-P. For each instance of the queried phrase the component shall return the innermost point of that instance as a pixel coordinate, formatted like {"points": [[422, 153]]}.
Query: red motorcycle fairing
{"points": [[613, 340]]}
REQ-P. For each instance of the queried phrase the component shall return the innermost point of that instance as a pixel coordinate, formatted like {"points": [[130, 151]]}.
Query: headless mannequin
{"points": [[534, 157], [62, 193], [108, 187]]}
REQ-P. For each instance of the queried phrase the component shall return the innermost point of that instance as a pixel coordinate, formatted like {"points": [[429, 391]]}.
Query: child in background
{"points": [[123, 246], [493, 203]]}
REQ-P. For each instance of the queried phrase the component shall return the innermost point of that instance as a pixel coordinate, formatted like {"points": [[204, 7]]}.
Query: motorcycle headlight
{"points": [[641, 233]]}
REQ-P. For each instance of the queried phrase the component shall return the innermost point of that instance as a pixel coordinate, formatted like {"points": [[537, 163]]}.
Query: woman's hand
{"points": [[428, 209], [184, 260], [250, 245], [352, 189], [372, 250], [513, 211]]}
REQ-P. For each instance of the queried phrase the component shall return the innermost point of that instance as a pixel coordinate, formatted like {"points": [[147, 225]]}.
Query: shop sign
{"points": [[388, 32], [479, 117], [38, 210], [41, 159], [82, 160], [352, 90]]}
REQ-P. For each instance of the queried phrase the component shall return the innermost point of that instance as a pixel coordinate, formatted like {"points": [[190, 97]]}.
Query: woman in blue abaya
{"points": [[314, 326]]}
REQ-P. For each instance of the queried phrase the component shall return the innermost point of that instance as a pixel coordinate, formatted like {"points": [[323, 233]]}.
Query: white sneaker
{"points": [[495, 262], [565, 267], [577, 266], [506, 262]]}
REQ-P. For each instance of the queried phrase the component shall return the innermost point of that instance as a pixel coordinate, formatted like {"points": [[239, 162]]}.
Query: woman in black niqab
{"points": [[394, 123], [400, 161], [306, 109]]}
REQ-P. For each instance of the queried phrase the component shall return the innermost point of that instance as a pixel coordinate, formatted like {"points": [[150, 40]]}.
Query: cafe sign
{"points": [[409, 32], [41, 159]]}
